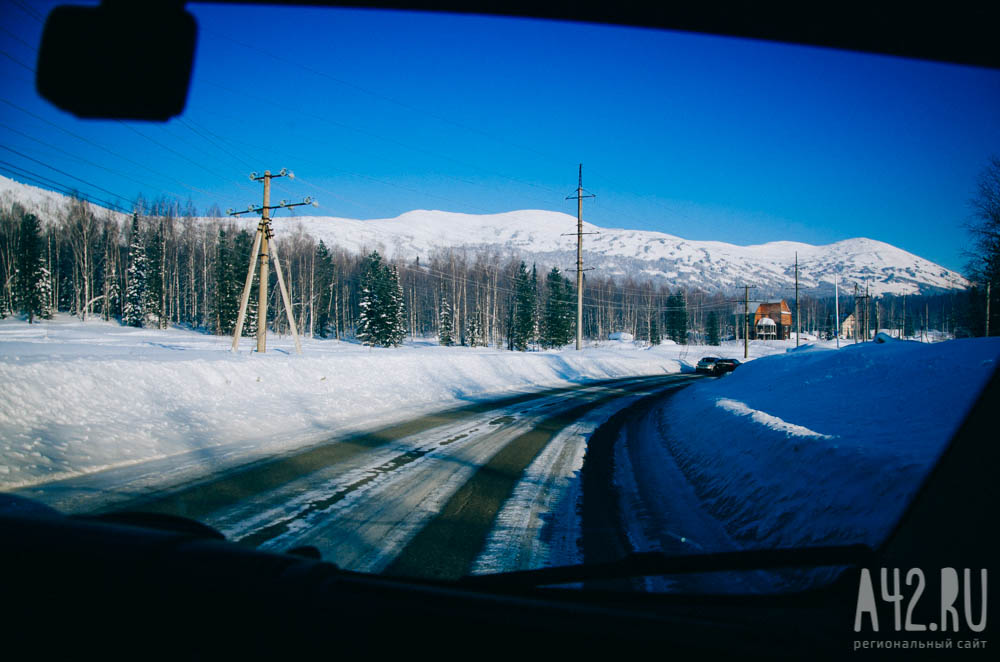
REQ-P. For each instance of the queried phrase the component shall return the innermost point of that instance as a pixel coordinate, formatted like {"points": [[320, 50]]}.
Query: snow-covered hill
{"points": [[542, 236]]}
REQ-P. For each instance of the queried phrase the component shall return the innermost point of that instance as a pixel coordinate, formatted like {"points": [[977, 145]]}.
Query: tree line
{"points": [[165, 266]]}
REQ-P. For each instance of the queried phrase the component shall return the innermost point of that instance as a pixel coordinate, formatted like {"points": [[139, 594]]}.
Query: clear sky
{"points": [[379, 113]]}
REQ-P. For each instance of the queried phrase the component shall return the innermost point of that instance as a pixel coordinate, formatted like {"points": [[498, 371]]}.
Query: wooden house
{"points": [[772, 320]]}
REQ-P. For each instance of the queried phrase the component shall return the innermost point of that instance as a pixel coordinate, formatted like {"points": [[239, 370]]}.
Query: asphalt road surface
{"points": [[472, 489]]}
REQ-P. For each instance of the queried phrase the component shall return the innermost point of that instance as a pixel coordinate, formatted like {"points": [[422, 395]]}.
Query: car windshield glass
{"points": [[506, 293]]}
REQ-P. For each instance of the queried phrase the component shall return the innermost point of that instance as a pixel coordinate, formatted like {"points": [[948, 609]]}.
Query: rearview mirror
{"points": [[121, 60]]}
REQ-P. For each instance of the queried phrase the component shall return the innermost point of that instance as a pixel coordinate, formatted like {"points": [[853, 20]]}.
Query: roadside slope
{"points": [[85, 397], [823, 447]]}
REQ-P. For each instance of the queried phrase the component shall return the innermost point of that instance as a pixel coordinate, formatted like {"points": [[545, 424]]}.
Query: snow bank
{"points": [[817, 446], [82, 397]]}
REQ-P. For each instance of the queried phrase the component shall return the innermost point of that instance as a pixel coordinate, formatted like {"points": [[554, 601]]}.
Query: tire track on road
{"points": [[448, 545]]}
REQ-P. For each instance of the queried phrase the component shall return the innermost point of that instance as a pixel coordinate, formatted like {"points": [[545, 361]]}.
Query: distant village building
{"points": [[771, 320], [767, 329], [849, 327]]}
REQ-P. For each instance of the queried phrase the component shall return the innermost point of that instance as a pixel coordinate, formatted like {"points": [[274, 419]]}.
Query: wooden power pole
{"points": [[746, 319], [579, 254], [798, 320], [262, 250], [836, 309]]}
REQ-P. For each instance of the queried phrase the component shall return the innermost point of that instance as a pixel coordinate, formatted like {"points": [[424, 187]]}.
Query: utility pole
{"points": [[868, 330], [902, 332], [579, 254], [746, 319], [836, 309], [862, 314], [261, 251], [857, 315], [798, 320]]}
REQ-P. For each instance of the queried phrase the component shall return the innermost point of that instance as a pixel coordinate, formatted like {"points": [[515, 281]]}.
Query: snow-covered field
{"points": [[800, 446], [82, 397], [822, 447]]}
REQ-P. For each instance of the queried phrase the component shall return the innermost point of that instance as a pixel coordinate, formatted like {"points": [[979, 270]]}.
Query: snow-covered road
{"points": [[363, 499]]}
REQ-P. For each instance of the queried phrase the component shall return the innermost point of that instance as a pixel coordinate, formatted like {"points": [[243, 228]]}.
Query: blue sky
{"points": [[379, 113]]}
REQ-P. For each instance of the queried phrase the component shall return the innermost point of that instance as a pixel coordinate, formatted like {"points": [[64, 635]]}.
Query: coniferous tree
{"points": [[655, 338], [382, 314], [476, 329], [31, 283], [677, 319], [240, 256], [557, 323], [523, 310], [398, 309], [367, 330], [226, 302], [324, 284], [445, 329], [134, 309], [154, 278], [112, 303], [712, 327]]}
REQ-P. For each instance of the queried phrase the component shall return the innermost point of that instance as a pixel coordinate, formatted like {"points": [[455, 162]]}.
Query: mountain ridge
{"points": [[548, 237]]}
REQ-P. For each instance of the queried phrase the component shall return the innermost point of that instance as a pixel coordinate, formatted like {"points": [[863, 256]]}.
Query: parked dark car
{"points": [[723, 366], [707, 365]]}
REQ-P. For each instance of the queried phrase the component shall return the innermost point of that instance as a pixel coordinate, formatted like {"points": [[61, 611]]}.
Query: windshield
{"points": [[506, 293]]}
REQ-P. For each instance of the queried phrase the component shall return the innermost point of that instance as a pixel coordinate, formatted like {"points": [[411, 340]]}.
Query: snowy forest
{"points": [[167, 266]]}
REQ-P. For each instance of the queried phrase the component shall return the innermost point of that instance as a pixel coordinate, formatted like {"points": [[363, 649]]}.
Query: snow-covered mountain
{"points": [[548, 238]]}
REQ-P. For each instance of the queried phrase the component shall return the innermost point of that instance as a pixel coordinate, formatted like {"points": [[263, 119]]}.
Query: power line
{"points": [[397, 102], [16, 61], [579, 256], [86, 161], [62, 172], [60, 188], [171, 149], [103, 148], [18, 39], [393, 141], [30, 11]]}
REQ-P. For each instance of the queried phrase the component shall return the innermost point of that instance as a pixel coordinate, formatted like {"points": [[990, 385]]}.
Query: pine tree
{"points": [[31, 282], [134, 310], [523, 310], [557, 326], [154, 280], [226, 302], [712, 322], [908, 324], [476, 330], [240, 257], [398, 309], [112, 305], [677, 319], [654, 329], [445, 329], [369, 304], [382, 314], [324, 281]]}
